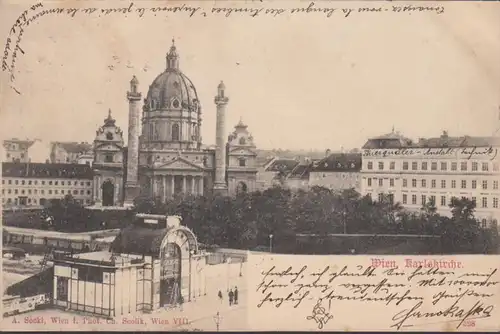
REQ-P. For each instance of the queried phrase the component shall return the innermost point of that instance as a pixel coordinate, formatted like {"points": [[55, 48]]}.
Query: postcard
{"points": [[250, 165]]}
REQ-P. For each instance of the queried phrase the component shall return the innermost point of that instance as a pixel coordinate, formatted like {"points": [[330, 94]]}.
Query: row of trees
{"points": [[249, 219]]}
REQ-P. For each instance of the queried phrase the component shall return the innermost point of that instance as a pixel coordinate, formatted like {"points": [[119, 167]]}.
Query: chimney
{"points": [[327, 152]]}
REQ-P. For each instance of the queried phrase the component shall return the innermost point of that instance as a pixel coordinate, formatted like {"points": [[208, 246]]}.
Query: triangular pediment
{"points": [[180, 163], [242, 151]]}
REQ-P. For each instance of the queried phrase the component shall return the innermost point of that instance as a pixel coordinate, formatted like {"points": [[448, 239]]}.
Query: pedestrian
{"points": [[231, 295], [181, 302], [235, 295], [220, 296]]}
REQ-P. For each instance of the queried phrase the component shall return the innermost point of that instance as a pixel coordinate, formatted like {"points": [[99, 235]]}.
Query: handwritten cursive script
{"points": [[411, 297]]}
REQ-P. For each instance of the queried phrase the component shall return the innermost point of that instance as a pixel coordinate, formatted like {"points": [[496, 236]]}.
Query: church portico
{"points": [[174, 183]]}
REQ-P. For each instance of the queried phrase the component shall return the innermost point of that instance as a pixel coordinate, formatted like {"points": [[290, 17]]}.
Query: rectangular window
{"points": [[391, 198], [380, 197], [484, 166], [380, 165], [485, 184], [484, 202], [369, 180], [424, 199], [414, 165], [495, 185], [405, 199], [380, 182], [453, 183], [496, 166], [474, 184], [29, 182], [369, 165], [414, 183], [405, 183], [464, 184], [474, 166], [23, 182], [424, 183], [433, 184], [50, 183], [474, 200], [463, 166], [405, 165], [443, 200], [443, 183], [75, 192], [413, 199], [90, 274], [453, 166], [432, 200], [424, 165], [391, 182], [434, 165], [495, 202], [444, 166], [50, 192]]}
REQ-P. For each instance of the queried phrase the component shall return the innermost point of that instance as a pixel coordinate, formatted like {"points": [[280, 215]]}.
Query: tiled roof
{"points": [[47, 170], [396, 140], [140, 240], [301, 171], [74, 147], [347, 162], [284, 165]]}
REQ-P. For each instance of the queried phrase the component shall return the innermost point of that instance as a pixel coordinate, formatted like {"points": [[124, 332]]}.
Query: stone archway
{"points": [[175, 255], [108, 193]]}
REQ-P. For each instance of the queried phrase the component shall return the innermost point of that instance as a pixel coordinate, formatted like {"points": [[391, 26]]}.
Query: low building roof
{"points": [[47, 170], [140, 240], [338, 162]]}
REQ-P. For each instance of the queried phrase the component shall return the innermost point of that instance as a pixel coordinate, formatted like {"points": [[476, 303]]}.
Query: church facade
{"points": [[165, 156]]}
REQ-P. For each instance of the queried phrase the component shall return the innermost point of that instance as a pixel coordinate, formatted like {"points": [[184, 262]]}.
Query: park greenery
{"points": [[248, 220]]}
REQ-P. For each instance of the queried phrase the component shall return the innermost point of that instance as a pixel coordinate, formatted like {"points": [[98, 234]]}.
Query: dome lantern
{"points": [[172, 57]]}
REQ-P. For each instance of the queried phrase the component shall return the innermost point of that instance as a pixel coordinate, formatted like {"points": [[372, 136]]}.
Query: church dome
{"points": [[172, 89]]}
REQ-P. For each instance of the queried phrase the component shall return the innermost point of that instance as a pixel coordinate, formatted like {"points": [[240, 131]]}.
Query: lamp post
{"points": [[228, 266], [270, 243]]}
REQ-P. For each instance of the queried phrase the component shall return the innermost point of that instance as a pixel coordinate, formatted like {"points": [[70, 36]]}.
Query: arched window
{"points": [[242, 141], [175, 131], [152, 104]]}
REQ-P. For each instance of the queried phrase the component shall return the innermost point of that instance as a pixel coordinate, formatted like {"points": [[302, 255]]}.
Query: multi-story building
{"points": [[16, 150], [33, 184], [276, 171], [337, 171], [434, 169], [68, 152]]}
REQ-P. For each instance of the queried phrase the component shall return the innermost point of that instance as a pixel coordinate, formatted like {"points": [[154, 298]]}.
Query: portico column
{"points": [[172, 185], [153, 178], [184, 188], [192, 185], [99, 189], [151, 185], [164, 193], [200, 185]]}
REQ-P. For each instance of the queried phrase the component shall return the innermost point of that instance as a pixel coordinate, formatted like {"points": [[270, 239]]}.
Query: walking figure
{"points": [[235, 295], [231, 295], [220, 296]]}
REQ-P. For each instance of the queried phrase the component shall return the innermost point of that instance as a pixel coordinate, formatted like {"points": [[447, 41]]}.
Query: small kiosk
{"points": [[150, 264]]}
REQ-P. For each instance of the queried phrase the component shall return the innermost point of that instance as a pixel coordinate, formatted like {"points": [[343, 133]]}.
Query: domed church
{"points": [[165, 155]]}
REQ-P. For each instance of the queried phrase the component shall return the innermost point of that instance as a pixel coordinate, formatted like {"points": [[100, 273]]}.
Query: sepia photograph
{"points": [[178, 166]]}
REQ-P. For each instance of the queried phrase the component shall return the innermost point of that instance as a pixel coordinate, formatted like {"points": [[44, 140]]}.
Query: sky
{"points": [[297, 81]]}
